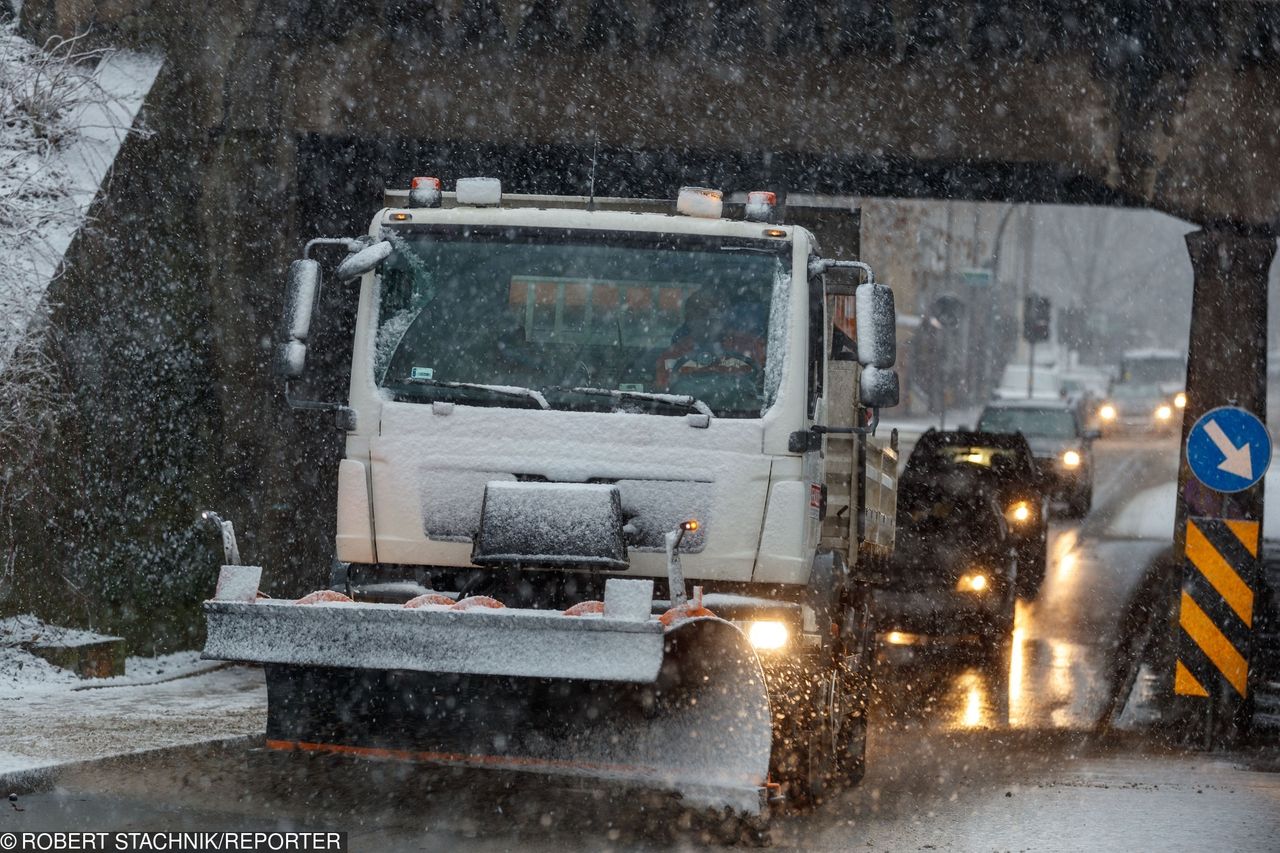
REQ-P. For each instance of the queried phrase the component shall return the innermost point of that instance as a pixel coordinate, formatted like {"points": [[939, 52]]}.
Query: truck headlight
{"points": [[1071, 459], [1180, 400], [1107, 412], [768, 636], [973, 582], [1163, 413]]}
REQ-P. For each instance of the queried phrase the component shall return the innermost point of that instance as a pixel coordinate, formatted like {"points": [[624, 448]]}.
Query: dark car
{"points": [[1001, 463], [954, 569], [1063, 448]]}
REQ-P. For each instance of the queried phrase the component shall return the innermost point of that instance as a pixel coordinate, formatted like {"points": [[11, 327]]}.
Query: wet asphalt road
{"points": [[964, 754]]}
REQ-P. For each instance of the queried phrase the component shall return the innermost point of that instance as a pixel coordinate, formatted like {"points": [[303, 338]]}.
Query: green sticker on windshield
{"points": [[422, 373], [627, 386]]}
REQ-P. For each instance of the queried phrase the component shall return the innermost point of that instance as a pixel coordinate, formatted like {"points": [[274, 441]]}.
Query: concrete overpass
{"points": [[1157, 104], [279, 119]]}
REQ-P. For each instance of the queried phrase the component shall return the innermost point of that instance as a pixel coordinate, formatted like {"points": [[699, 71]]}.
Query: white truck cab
{"points": [[673, 356]]}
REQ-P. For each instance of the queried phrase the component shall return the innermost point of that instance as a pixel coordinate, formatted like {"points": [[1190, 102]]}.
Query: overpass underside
{"points": [[1164, 104]]}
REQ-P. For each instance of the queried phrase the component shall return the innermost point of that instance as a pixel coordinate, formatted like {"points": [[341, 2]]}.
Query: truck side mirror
{"points": [[300, 303], [878, 388], [877, 320]]}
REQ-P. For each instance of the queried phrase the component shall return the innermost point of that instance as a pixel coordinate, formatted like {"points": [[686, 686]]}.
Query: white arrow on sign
{"points": [[1238, 460]]}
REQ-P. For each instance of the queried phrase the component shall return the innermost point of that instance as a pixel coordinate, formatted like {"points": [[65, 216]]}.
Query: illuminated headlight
{"points": [[974, 582], [767, 636], [1163, 413], [899, 638], [1180, 400], [1107, 412], [1020, 512], [1071, 459]]}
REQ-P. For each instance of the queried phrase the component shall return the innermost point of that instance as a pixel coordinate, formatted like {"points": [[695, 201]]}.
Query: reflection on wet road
{"points": [[1056, 671]]}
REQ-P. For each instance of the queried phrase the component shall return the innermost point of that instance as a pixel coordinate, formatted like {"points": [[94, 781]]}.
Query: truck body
{"points": [[563, 406]]}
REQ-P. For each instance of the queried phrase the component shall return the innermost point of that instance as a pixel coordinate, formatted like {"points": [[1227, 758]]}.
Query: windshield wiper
{"points": [[681, 400], [513, 392]]}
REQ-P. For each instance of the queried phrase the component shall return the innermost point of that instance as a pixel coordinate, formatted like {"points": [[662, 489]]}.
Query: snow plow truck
{"points": [[611, 498]]}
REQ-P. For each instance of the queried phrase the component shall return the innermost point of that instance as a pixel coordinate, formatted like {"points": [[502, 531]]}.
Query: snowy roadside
{"points": [[63, 118], [50, 717]]}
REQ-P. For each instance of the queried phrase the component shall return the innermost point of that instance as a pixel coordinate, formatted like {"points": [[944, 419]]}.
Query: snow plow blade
{"points": [[682, 708]]}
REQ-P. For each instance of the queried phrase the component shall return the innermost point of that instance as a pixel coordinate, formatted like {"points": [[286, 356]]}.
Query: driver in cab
{"points": [[715, 338]]}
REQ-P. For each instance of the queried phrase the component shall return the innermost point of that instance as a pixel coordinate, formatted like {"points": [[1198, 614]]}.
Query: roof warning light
{"points": [[424, 192], [761, 205], [703, 202]]}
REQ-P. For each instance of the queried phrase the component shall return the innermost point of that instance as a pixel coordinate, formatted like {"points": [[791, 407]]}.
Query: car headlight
{"points": [[768, 635], [1019, 512], [1180, 400], [1107, 412], [973, 582], [1163, 413], [1071, 459]]}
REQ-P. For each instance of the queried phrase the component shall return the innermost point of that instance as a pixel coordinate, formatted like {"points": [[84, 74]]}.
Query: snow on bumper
{"points": [[506, 642]]}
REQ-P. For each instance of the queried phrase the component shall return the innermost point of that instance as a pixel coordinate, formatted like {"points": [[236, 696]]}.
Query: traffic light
{"points": [[949, 310], [1035, 318]]}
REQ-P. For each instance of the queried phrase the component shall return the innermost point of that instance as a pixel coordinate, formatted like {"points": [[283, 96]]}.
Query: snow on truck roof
{"points": [[735, 219], [570, 218]]}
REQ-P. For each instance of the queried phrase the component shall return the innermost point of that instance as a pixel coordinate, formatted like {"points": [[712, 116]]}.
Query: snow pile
{"points": [[27, 630], [24, 674], [64, 112]]}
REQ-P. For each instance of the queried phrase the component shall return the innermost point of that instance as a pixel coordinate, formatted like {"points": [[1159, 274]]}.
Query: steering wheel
{"points": [[706, 361]]}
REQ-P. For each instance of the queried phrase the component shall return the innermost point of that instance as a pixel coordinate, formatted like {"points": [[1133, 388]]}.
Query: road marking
{"points": [[1238, 460]]}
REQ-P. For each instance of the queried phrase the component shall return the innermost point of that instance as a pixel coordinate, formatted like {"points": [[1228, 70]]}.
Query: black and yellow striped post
{"points": [[1215, 614], [1218, 530]]}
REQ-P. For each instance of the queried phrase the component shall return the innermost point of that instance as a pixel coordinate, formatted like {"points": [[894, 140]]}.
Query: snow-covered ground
{"points": [[64, 114], [50, 716]]}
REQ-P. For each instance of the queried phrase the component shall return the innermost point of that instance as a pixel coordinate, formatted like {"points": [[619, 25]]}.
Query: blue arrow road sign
{"points": [[1228, 449]]}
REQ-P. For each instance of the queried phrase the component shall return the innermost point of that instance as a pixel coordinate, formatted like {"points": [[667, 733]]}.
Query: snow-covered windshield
{"points": [[1046, 423], [469, 315]]}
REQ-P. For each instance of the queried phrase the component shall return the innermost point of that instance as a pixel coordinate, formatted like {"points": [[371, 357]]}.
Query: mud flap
{"points": [[702, 729]]}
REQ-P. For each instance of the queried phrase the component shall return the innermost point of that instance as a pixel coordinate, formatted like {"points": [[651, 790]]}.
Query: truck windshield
{"points": [[468, 315]]}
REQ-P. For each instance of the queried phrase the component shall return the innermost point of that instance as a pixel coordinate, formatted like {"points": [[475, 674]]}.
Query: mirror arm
{"points": [[351, 244], [344, 417], [869, 429], [818, 266], [805, 440]]}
